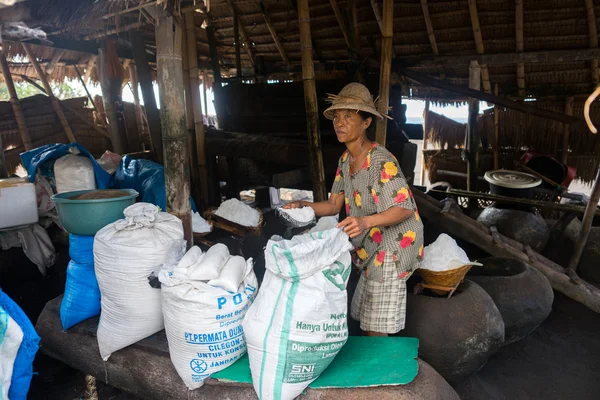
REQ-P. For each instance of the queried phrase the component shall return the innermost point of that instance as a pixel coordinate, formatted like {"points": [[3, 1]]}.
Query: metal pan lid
{"points": [[512, 179]]}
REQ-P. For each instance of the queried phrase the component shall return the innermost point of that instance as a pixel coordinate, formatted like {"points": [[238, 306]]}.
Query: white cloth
{"points": [[35, 242]]}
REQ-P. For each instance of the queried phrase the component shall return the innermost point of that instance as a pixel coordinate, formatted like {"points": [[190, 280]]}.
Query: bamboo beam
{"points": [[129, 9], [519, 42], [217, 85], [490, 98], [534, 57], [431, 34], [273, 33], [485, 76], [56, 56], [204, 97], [198, 119], [172, 110], [425, 127], [139, 117], [82, 81], [144, 73], [354, 26], [496, 128], [238, 46], [243, 33], [89, 68], [586, 224], [15, 103], [31, 82], [386, 70], [377, 13], [472, 140], [340, 18], [311, 104], [593, 33], [119, 29], [564, 156], [55, 104]]}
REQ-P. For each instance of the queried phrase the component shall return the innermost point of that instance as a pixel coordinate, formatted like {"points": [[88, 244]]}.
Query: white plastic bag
{"points": [[210, 264], [126, 253], [203, 323], [73, 172], [231, 275], [298, 322]]}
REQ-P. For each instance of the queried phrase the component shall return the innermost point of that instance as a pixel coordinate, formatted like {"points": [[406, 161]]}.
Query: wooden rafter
{"points": [[130, 9], [593, 32], [273, 32], [118, 29], [340, 18], [89, 68], [431, 34], [519, 42], [16, 104], [56, 56], [377, 13], [485, 76], [243, 33]]}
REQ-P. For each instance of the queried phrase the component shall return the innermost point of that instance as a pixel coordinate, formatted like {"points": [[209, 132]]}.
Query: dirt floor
{"points": [[560, 360]]}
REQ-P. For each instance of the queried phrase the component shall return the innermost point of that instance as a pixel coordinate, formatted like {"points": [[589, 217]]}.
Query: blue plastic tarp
{"points": [[45, 155]]}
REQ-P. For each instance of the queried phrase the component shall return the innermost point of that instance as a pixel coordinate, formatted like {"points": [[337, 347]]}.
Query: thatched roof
{"points": [[549, 25]]}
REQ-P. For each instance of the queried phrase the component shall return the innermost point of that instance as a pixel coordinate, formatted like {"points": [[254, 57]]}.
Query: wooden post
{"points": [[586, 224], [593, 32], [425, 127], [172, 111], [485, 76], [139, 117], [16, 104], [310, 102], [385, 72], [204, 97], [472, 142], [217, 85], [55, 104], [496, 128], [145, 79], [111, 78], [238, 46], [519, 42], [197, 118], [564, 156]]}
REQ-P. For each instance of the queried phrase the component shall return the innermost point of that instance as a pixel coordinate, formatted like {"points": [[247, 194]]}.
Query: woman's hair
{"points": [[371, 129]]}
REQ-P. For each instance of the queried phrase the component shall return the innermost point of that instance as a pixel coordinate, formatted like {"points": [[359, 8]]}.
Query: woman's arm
{"points": [[354, 226], [321, 208]]}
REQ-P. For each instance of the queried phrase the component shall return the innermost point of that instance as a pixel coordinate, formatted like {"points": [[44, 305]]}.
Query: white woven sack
{"points": [[73, 172], [298, 322], [204, 323], [126, 253]]}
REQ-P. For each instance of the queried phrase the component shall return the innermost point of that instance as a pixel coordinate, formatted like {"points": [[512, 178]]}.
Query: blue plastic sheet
{"points": [[146, 177], [82, 293], [44, 157], [23, 365]]}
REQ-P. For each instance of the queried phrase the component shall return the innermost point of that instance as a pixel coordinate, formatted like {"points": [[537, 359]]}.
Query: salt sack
{"points": [[298, 322], [126, 253], [203, 323], [236, 211], [209, 265], [443, 255], [73, 172]]}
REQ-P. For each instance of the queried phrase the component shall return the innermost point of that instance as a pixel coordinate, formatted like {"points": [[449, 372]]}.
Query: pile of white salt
{"points": [[235, 211]]}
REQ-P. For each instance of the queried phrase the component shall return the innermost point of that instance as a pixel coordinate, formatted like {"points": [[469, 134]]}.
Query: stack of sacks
{"points": [[82, 294], [126, 254], [205, 298]]}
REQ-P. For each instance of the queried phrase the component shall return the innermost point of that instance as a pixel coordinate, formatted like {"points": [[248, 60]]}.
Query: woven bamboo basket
{"points": [[236, 229], [444, 281]]}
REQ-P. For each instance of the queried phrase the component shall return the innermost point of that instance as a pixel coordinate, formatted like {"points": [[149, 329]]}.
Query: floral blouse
{"points": [[375, 188]]}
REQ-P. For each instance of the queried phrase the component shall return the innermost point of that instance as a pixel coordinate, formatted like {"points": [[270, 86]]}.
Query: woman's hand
{"points": [[293, 204], [354, 226]]}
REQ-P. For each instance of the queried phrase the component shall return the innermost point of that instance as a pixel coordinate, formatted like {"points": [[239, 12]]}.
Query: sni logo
{"points": [[303, 368]]}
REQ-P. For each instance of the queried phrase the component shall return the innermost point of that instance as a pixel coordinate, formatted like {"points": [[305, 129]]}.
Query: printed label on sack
{"points": [[305, 361], [218, 349]]}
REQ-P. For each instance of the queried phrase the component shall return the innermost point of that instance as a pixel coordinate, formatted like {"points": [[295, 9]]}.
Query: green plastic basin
{"points": [[86, 217]]}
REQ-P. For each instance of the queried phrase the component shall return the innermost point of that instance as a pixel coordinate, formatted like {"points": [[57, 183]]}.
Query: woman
{"points": [[383, 221]]}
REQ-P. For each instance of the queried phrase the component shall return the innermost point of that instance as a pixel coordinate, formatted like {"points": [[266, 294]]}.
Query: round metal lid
{"points": [[512, 179]]}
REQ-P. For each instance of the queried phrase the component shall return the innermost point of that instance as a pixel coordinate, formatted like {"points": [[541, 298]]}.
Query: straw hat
{"points": [[354, 96]]}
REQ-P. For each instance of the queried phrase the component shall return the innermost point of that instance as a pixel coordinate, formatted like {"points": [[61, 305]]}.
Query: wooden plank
{"points": [[564, 156], [16, 105], [485, 77], [586, 224], [519, 43], [145, 79], [172, 112], [194, 77], [385, 72], [55, 104], [490, 98], [311, 104]]}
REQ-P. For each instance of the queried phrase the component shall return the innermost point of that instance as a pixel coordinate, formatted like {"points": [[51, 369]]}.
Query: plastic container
{"points": [[18, 203], [86, 217]]}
